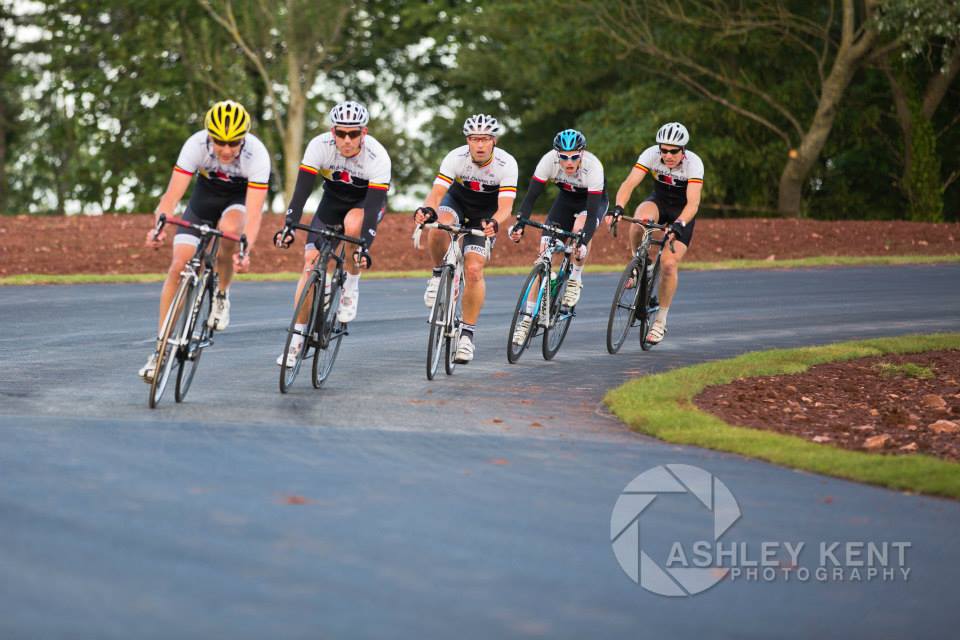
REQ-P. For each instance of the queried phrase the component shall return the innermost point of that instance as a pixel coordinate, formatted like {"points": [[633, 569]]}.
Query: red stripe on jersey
{"points": [[309, 169], [183, 171]]}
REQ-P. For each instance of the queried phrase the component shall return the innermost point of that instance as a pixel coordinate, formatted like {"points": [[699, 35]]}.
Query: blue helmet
{"points": [[569, 140]]}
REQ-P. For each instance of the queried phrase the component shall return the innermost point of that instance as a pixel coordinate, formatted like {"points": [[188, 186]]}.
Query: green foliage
{"points": [[907, 370], [923, 177]]}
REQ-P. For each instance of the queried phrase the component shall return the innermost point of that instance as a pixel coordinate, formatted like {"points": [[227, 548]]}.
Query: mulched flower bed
{"points": [[894, 404], [112, 244]]}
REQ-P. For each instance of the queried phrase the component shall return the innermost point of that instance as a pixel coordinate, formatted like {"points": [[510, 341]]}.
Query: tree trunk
{"points": [[296, 123], [850, 56], [3, 156]]}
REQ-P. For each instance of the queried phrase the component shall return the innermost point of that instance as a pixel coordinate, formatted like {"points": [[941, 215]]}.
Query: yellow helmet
{"points": [[227, 121]]}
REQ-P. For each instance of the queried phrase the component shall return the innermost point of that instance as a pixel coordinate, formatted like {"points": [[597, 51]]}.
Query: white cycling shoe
{"points": [[464, 350], [295, 348], [220, 315], [430, 295], [657, 332], [572, 294], [148, 370], [347, 310], [520, 333]]}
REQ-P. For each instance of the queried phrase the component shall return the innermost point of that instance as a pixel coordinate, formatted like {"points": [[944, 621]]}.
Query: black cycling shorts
{"points": [[471, 218], [668, 213], [207, 207], [568, 207], [331, 212]]}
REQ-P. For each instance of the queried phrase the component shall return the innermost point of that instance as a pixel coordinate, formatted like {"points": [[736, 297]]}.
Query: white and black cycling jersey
{"points": [[588, 178], [670, 185], [250, 169], [348, 178], [479, 186]]}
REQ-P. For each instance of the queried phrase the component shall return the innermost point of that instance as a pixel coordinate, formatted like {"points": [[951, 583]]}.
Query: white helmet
{"points": [[349, 114], [673, 133], [481, 124]]}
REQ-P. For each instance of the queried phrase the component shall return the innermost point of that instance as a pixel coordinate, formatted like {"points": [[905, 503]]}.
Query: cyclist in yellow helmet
{"points": [[233, 167]]}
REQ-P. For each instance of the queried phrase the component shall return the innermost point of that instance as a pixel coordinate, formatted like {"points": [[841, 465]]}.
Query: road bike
{"points": [[634, 302], [185, 331], [445, 315], [545, 288], [322, 332]]}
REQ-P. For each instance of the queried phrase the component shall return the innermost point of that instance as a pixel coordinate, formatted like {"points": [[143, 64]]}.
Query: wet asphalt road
{"points": [[385, 505]]}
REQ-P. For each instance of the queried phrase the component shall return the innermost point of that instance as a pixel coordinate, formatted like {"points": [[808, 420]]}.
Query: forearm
{"points": [[533, 192], [301, 191], [372, 206], [504, 210], [435, 196], [594, 200]]}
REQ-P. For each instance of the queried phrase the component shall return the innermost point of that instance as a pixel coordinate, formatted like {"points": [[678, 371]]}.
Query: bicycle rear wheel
{"points": [[196, 337], [624, 307], [560, 323], [531, 286], [438, 322], [330, 331], [169, 342], [648, 316], [310, 298]]}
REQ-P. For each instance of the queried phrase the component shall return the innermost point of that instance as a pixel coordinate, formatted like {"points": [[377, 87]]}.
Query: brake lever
{"points": [[416, 236]]}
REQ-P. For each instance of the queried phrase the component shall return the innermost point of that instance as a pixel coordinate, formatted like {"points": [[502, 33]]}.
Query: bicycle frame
{"points": [[554, 246], [452, 259]]}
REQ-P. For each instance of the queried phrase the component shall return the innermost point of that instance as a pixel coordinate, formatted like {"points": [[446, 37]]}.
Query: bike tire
{"points": [[438, 328], [452, 337], [534, 282], [329, 333], [650, 285], [624, 307], [560, 323], [200, 306], [311, 295], [167, 347]]}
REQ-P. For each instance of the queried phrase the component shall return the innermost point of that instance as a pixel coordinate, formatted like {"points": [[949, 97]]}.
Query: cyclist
{"points": [[580, 205], [476, 187], [234, 169], [356, 176], [677, 183]]}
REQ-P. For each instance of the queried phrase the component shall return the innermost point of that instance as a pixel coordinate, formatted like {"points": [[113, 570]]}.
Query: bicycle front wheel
{"points": [[196, 337], [624, 307], [532, 289], [169, 342], [452, 336], [646, 314], [438, 322], [330, 331], [560, 318], [309, 299]]}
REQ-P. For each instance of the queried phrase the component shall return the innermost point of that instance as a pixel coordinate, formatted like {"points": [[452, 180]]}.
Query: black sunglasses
{"points": [[672, 152], [223, 143], [353, 135], [574, 157]]}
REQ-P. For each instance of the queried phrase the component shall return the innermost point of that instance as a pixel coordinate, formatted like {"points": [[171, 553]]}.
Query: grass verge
{"points": [[286, 276], [661, 405]]}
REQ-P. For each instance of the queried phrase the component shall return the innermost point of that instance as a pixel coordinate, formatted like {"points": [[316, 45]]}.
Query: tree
{"points": [[932, 29], [827, 48]]}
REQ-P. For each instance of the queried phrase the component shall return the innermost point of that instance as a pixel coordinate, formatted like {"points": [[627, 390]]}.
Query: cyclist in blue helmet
{"points": [[579, 206]]}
